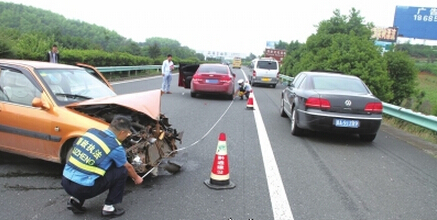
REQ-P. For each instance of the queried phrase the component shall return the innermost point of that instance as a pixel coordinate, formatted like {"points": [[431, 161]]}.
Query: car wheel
{"points": [[367, 137], [283, 114], [193, 94], [67, 156], [295, 130], [274, 86]]}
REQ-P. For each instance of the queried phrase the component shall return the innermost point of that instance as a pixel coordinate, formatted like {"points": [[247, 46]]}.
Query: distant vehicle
{"points": [[207, 78], [331, 102], [236, 63], [264, 71]]}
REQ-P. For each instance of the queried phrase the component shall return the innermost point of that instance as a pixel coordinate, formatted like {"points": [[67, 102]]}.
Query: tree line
{"points": [[28, 33], [343, 43]]}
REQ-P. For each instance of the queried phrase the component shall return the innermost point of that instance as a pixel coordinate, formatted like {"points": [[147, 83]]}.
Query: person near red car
{"points": [[244, 89]]}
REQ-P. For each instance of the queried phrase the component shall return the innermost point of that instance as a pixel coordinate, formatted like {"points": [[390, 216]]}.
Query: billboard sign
{"points": [[384, 34], [271, 44], [276, 54], [416, 22]]}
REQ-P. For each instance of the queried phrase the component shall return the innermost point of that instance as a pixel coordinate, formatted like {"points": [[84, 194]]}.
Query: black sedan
{"points": [[332, 102]]}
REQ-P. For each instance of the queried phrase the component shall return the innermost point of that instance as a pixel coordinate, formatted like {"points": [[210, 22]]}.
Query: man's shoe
{"points": [[74, 205], [168, 92], [116, 212]]}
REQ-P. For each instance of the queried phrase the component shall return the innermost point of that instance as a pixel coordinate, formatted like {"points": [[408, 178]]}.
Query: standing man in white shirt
{"points": [[167, 67]]}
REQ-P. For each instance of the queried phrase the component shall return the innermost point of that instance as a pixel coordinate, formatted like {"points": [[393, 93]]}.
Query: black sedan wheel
{"points": [[295, 130]]}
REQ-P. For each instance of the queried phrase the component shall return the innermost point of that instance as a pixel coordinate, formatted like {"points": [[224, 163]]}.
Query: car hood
{"points": [[148, 102]]}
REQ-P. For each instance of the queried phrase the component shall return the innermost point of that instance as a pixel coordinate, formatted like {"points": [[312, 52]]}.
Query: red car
{"points": [[207, 78]]}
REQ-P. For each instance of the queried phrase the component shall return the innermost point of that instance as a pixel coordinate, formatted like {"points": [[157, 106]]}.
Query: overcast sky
{"points": [[225, 25]]}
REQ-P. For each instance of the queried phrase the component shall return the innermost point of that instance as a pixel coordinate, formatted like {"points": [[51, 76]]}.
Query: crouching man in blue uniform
{"points": [[98, 163]]}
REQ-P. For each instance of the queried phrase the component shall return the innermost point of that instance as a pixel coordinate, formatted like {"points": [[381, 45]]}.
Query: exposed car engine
{"points": [[151, 140]]}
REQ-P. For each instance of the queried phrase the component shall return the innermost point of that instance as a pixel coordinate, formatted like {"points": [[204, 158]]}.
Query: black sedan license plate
{"points": [[346, 123]]}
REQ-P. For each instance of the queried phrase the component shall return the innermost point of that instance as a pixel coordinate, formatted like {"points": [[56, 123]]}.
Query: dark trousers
{"points": [[114, 180]]}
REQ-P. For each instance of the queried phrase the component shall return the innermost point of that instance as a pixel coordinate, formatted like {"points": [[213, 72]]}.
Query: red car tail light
{"points": [[254, 73], [373, 107], [197, 78], [319, 103], [277, 75], [226, 79]]}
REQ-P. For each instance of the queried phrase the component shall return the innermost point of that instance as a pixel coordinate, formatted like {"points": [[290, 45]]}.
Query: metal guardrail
{"points": [[129, 69], [426, 121], [106, 69]]}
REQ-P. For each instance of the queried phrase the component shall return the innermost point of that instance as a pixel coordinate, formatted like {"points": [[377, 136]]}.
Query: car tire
{"points": [[274, 86], [193, 94], [295, 130], [367, 137], [67, 156], [283, 114]]}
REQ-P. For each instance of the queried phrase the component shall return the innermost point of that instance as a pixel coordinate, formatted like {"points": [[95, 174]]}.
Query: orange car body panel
{"points": [[38, 132]]}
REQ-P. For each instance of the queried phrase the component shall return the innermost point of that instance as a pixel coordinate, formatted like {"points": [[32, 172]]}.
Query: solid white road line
{"points": [[278, 197]]}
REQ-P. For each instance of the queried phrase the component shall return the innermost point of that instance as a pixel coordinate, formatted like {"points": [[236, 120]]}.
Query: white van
{"points": [[264, 71]]}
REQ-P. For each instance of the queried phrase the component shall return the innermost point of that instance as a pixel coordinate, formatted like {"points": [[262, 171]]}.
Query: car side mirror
{"points": [[234, 75], [39, 103]]}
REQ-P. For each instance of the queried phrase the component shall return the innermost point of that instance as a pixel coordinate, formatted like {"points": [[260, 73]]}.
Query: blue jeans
{"points": [[166, 80]]}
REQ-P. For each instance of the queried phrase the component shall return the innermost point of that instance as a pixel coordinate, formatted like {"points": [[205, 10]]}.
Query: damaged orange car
{"points": [[44, 107]]}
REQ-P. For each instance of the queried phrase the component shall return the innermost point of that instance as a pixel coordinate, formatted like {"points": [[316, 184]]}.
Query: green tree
{"points": [[402, 71], [154, 50], [343, 43], [33, 46], [200, 56], [281, 45], [294, 52]]}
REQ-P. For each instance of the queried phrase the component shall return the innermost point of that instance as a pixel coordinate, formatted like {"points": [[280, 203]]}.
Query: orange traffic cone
{"points": [[219, 178], [249, 104]]}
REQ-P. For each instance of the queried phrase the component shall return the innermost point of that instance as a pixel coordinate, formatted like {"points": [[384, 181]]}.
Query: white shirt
{"points": [[166, 67]]}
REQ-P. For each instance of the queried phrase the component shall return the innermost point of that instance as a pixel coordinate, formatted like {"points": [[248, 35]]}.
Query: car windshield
{"points": [[73, 85], [267, 65], [213, 69], [339, 83]]}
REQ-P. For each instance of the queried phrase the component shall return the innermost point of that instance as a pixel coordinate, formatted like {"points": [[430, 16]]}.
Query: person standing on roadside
{"points": [[53, 55], [167, 67]]}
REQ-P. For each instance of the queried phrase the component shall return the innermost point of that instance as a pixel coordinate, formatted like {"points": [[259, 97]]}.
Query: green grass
{"points": [[426, 67], [428, 84], [427, 87], [413, 129]]}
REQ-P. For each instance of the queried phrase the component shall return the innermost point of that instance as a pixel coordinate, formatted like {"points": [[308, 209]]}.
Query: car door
{"points": [[24, 129], [93, 71], [290, 92], [186, 73]]}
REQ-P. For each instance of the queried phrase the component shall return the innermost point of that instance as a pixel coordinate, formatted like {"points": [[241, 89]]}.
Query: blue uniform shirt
{"points": [[117, 156]]}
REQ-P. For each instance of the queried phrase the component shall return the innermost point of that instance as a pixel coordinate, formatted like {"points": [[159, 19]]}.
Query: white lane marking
{"points": [[278, 197]]}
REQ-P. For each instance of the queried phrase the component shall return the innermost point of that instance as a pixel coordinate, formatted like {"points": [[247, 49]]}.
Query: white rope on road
{"points": [[196, 142]]}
